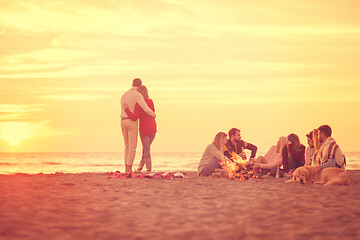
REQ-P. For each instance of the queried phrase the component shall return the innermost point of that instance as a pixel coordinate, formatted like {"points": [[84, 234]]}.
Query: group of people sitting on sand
{"points": [[288, 153]]}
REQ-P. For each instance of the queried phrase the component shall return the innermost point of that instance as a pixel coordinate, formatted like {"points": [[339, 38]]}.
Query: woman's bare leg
{"points": [[260, 159]]}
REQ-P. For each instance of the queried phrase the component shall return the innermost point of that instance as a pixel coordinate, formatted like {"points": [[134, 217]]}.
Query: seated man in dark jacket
{"points": [[236, 145]]}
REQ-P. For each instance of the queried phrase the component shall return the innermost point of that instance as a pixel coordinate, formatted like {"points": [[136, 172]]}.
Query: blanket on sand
{"points": [[157, 175]]}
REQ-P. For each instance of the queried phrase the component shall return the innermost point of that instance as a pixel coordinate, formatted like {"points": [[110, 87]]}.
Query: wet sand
{"points": [[93, 206]]}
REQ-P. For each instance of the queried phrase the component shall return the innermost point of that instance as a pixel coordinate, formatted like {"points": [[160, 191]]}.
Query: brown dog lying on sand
{"points": [[326, 176]]}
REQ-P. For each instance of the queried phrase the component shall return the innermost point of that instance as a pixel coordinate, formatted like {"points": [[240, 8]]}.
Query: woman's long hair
{"points": [[294, 139], [143, 90], [317, 142], [282, 142], [217, 139]]}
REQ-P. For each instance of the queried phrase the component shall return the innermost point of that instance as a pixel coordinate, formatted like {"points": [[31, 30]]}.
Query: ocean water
{"points": [[33, 163]]}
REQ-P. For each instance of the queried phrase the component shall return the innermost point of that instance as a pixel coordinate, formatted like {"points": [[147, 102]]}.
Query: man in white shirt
{"points": [[129, 127]]}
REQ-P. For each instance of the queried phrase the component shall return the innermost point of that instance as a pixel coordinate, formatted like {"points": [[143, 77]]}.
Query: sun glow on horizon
{"points": [[15, 132]]}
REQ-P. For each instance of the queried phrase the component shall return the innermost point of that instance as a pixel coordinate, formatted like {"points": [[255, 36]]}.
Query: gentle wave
{"points": [[51, 163], [6, 163]]}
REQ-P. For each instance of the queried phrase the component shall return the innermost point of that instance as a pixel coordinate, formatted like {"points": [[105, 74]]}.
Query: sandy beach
{"points": [[93, 206]]}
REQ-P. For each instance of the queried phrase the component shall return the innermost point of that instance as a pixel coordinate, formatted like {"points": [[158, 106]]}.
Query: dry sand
{"points": [[91, 206]]}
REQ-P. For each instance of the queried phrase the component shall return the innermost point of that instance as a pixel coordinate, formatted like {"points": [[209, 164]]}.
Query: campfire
{"points": [[239, 170]]}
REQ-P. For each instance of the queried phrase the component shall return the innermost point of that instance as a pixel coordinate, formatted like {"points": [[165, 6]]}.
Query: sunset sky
{"points": [[269, 68]]}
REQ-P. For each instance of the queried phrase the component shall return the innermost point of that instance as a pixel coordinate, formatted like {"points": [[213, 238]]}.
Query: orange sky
{"points": [[267, 68]]}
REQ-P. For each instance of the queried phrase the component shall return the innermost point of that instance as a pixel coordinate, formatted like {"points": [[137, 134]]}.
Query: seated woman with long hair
{"points": [[293, 154], [213, 155], [272, 159]]}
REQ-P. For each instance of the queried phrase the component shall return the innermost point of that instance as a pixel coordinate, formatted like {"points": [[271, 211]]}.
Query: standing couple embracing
{"points": [[136, 105]]}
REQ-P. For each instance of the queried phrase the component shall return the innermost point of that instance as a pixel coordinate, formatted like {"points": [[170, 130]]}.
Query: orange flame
{"points": [[239, 169]]}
